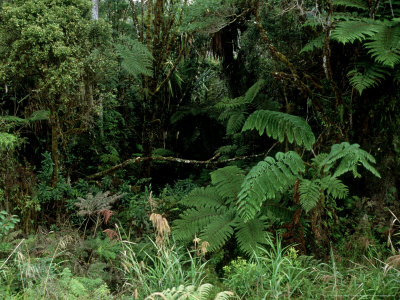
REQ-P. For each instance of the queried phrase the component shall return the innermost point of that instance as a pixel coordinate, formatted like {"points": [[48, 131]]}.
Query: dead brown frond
{"points": [[111, 234], [107, 214]]}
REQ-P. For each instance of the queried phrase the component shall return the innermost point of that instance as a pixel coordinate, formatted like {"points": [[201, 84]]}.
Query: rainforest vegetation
{"points": [[199, 149]]}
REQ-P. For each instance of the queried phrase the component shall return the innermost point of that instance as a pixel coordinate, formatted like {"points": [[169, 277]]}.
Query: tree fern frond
{"points": [[192, 221], [235, 123], [385, 44], [348, 158], [136, 58], [278, 125], [366, 75], [248, 97], [251, 235], [350, 31], [360, 4], [310, 193], [219, 230], [203, 197], [227, 149], [276, 212], [334, 187], [314, 44], [267, 179], [227, 181]]}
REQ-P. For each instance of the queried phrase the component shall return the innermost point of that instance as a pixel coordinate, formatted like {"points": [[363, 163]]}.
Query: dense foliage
{"points": [[205, 149]]}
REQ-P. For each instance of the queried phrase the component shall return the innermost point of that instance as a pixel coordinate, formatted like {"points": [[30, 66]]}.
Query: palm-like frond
{"points": [[385, 44], [204, 197], [227, 181], [334, 187], [310, 193], [136, 58], [252, 234], [279, 125], [219, 230], [366, 75], [192, 221], [266, 180], [347, 157], [314, 44], [350, 31]]}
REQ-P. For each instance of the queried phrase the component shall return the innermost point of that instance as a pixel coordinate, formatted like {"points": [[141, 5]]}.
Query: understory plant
{"points": [[244, 205]]}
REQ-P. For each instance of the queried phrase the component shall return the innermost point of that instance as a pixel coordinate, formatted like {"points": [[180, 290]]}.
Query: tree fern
{"points": [[136, 58], [252, 234], [350, 31], [345, 158], [248, 97], [385, 44], [314, 44], [279, 125], [194, 221], [334, 187], [366, 75], [213, 216], [310, 193], [219, 230], [235, 122], [227, 181], [266, 180], [204, 197]]}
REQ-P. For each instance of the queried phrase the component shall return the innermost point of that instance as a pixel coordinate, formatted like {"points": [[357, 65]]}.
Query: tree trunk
{"points": [[54, 146], [95, 10], [147, 143]]}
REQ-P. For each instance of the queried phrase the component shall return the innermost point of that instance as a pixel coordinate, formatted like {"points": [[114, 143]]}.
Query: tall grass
{"points": [[170, 267]]}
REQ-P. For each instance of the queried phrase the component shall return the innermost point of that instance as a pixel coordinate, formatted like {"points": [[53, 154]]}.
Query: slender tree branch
{"points": [[210, 161]]}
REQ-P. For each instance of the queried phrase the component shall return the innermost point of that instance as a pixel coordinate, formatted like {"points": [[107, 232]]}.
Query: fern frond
{"points": [[310, 193], [251, 235], [189, 293], [235, 123], [225, 295], [385, 44], [366, 75], [203, 197], [348, 158], [266, 180], [276, 212], [39, 115], [334, 187], [227, 181], [248, 97], [136, 58], [219, 230], [314, 44], [227, 149], [350, 31], [192, 221], [278, 125]]}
